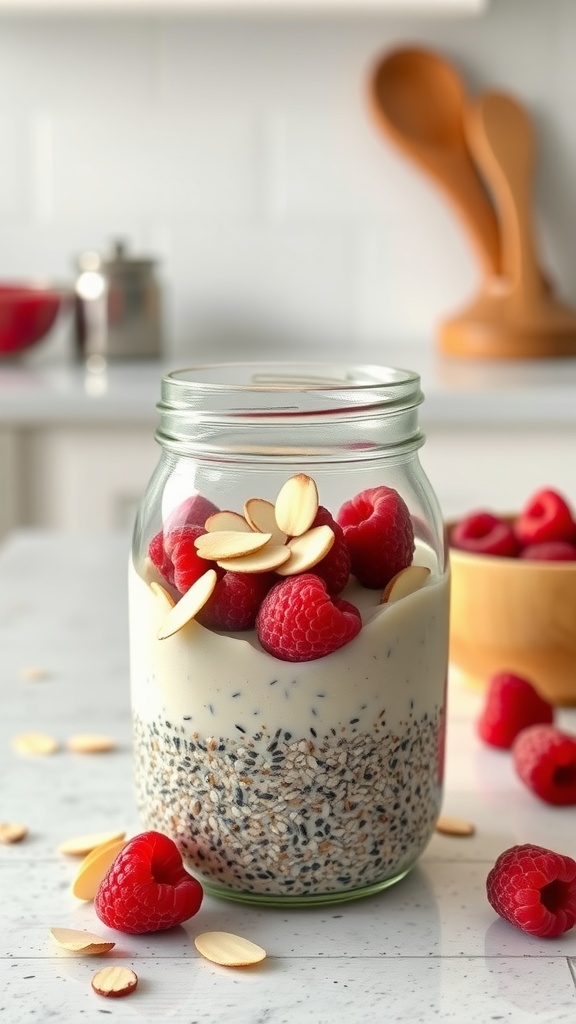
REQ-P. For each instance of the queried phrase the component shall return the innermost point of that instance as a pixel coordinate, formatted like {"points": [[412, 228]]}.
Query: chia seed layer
{"points": [[291, 815]]}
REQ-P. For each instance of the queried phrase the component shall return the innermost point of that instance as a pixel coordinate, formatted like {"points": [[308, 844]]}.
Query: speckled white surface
{"points": [[429, 949]]}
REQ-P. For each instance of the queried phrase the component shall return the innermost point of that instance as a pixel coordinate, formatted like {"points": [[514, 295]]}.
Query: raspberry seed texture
{"points": [[534, 889], [299, 621], [545, 760], [147, 888], [511, 704]]}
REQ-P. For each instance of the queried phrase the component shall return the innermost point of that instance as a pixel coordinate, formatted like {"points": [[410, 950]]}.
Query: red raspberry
{"points": [[546, 516], [299, 621], [379, 534], [160, 559], [193, 511], [187, 566], [147, 888], [334, 568], [535, 889], [550, 551], [511, 704], [235, 601], [483, 533], [545, 759]]}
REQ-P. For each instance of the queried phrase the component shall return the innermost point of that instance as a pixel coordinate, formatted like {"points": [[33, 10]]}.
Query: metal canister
{"points": [[117, 306]]}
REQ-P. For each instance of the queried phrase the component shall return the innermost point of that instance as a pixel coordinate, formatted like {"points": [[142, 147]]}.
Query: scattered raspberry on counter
{"points": [[147, 888], [534, 889], [511, 704], [299, 621], [545, 760]]}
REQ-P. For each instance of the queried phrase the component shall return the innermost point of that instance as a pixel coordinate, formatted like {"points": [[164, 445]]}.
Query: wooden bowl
{"points": [[517, 615]]}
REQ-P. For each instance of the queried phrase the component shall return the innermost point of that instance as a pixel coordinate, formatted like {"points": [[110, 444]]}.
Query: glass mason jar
{"points": [[289, 728]]}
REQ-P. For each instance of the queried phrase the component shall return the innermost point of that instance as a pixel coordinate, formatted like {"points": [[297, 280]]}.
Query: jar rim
{"points": [[305, 376], [206, 407]]}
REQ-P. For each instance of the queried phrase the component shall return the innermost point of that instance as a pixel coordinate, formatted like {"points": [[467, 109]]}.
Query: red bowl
{"points": [[27, 312]]}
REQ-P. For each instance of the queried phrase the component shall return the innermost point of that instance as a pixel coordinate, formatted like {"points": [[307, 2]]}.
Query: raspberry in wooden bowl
{"points": [[513, 597]]}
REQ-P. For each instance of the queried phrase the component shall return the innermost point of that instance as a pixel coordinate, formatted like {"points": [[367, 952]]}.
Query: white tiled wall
{"points": [[242, 153]]}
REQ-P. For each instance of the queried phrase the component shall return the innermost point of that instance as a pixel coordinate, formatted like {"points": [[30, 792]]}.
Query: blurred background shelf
{"points": [[217, 7], [76, 450]]}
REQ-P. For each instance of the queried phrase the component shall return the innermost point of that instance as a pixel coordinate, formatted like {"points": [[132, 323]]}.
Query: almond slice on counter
{"points": [[12, 832], [189, 605], [76, 941], [229, 521], [296, 505], [261, 515], [405, 582], [94, 867], [229, 544], [266, 559], [79, 846], [114, 981], [90, 743], [33, 673], [162, 595], [34, 743], [229, 950], [307, 551], [451, 826]]}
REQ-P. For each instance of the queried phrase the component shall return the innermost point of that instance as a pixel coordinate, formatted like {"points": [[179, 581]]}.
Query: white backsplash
{"points": [[243, 155]]}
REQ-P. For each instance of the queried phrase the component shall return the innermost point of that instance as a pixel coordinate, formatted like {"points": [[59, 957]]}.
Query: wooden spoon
{"points": [[419, 100], [500, 137], [515, 315]]}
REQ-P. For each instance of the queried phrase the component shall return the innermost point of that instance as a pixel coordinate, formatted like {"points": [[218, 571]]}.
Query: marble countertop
{"points": [[429, 949], [35, 391]]}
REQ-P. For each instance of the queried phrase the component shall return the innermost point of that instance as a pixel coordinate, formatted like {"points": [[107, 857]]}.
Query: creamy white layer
{"points": [[226, 685]]}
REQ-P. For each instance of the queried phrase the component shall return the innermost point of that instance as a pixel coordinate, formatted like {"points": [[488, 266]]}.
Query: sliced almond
{"points": [[34, 743], [264, 560], [114, 981], [451, 826], [189, 605], [93, 869], [12, 832], [76, 941], [229, 544], [229, 521], [296, 505], [405, 582], [307, 551], [162, 595], [33, 673], [229, 950], [90, 743], [79, 846], [261, 515]]}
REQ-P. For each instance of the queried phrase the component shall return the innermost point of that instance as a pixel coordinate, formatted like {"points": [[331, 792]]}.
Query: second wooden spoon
{"points": [[419, 101]]}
